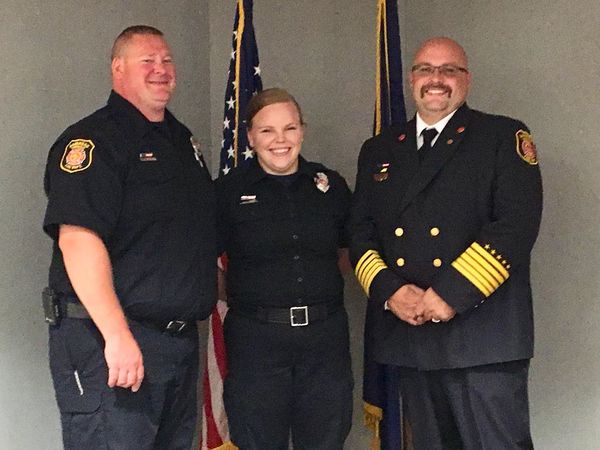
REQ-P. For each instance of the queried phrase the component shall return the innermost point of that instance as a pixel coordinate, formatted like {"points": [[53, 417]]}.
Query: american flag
{"points": [[243, 81], [382, 407]]}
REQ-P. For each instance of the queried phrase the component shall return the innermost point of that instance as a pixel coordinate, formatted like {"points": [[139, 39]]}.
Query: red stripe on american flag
{"points": [[218, 337], [215, 429]]}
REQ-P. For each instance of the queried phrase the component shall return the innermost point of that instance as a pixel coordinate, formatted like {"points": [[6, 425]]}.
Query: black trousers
{"points": [[161, 415], [282, 378], [476, 408]]}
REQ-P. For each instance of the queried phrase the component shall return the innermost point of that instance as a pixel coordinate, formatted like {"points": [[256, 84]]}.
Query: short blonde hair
{"points": [[125, 36]]}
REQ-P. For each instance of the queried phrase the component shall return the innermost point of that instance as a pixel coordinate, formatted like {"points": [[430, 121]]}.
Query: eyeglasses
{"points": [[447, 70]]}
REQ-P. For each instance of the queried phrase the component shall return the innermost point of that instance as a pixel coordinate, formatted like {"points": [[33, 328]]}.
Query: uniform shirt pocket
{"points": [[152, 187]]}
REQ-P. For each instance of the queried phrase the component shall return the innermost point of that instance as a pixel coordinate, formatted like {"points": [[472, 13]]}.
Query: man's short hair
{"points": [[125, 36]]}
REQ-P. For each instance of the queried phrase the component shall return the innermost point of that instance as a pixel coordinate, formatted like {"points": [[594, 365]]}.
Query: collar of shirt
{"points": [[137, 124], [439, 126], [256, 173]]}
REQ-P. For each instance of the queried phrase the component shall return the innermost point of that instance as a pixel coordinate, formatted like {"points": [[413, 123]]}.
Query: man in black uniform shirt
{"points": [[446, 212], [131, 212]]}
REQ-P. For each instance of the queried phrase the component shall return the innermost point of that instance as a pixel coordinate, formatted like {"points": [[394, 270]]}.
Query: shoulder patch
{"points": [[77, 156], [526, 148]]}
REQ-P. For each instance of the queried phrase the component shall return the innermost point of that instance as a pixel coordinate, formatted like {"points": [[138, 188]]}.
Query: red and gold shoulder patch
{"points": [[77, 156], [526, 148]]}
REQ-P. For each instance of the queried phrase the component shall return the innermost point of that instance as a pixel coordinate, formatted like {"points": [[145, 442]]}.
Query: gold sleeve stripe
{"points": [[479, 249], [483, 267], [471, 277], [365, 262], [370, 272], [466, 268], [484, 270], [367, 268], [369, 280], [369, 275]]}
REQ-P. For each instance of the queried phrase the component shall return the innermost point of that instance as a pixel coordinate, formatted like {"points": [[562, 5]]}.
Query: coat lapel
{"points": [[446, 145], [404, 151], [404, 161]]}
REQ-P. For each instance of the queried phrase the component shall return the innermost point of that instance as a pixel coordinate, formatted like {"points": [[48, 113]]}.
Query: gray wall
{"points": [[55, 70], [535, 61]]}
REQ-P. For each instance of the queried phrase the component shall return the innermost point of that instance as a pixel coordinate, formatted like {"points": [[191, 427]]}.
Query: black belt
{"points": [[295, 316], [78, 311]]}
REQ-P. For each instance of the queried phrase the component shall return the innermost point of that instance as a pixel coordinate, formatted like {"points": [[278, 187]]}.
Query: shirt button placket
{"points": [[296, 258]]}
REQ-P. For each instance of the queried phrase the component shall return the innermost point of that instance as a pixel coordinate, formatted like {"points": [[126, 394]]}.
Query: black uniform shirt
{"points": [[144, 189], [282, 238]]}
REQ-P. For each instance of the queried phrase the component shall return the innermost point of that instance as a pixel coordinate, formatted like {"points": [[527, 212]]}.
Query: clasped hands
{"points": [[416, 306]]}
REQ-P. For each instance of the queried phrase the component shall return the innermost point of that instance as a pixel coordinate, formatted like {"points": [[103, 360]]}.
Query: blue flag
{"points": [[383, 407], [243, 81], [389, 101]]}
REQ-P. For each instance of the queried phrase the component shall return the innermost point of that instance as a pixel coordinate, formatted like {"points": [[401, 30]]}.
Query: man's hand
{"points": [[88, 266], [434, 308], [403, 303], [124, 361]]}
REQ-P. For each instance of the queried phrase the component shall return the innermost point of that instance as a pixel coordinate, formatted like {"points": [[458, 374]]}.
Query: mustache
{"points": [[447, 89]]}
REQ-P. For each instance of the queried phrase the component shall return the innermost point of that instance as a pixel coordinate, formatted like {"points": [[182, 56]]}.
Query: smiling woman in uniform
{"points": [[282, 224]]}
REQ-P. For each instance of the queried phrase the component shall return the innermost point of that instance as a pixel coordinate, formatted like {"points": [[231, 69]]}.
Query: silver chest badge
{"points": [[322, 182]]}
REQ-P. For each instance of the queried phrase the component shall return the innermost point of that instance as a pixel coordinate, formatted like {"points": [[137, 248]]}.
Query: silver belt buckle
{"points": [[299, 316], [176, 326]]}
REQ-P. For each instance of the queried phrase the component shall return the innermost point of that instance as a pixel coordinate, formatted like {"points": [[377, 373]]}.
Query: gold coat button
{"points": [[399, 232], [437, 262], [434, 231], [400, 262]]}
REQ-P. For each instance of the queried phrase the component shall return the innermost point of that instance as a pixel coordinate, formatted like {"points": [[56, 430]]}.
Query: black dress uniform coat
{"points": [[463, 222]]}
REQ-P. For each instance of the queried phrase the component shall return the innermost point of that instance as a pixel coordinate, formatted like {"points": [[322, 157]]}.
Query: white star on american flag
{"points": [[234, 34], [230, 103], [226, 170], [226, 123], [257, 70], [233, 54], [230, 152], [248, 153]]}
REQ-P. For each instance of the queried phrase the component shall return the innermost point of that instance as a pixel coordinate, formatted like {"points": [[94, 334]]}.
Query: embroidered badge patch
{"points": [[526, 148], [77, 156]]}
